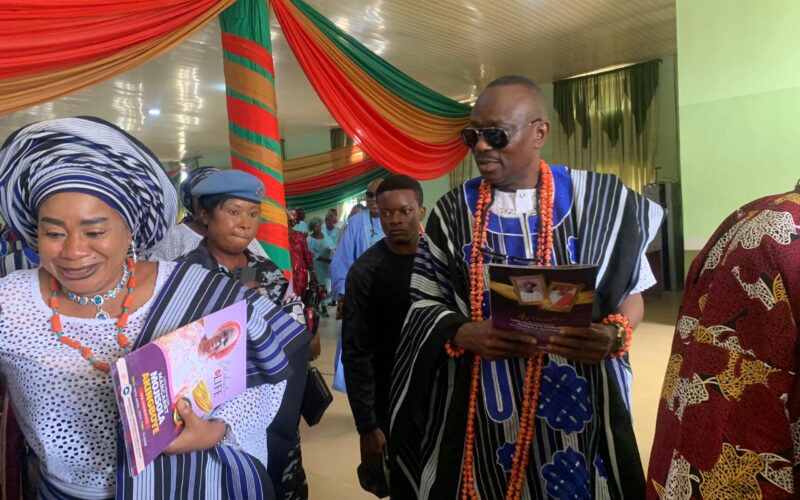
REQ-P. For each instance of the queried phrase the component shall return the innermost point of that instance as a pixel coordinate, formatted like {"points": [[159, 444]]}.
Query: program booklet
{"points": [[540, 300], [203, 362]]}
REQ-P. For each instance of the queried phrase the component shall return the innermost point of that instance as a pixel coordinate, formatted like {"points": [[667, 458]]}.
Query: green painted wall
{"points": [[434, 189], [739, 103], [307, 144]]}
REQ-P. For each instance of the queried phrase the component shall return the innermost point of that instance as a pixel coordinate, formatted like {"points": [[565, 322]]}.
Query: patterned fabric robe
{"points": [[583, 445], [729, 414]]}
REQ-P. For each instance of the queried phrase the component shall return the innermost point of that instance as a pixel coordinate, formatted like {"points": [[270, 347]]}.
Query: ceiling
{"points": [[453, 46]]}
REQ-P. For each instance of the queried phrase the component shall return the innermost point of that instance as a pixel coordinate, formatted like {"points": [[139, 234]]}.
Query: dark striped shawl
{"points": [[16, 260], [222, 472]]}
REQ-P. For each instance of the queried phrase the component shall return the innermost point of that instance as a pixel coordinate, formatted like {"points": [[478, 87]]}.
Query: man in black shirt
{"points": [[375, 307]]}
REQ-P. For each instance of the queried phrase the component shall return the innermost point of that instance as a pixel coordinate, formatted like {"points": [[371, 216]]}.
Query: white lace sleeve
{"points": [[180, 241], [248, 417], [646, 277]]}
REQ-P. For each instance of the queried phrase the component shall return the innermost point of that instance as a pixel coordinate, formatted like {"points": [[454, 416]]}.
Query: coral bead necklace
{"points": [[122, 321], [533, 366]]}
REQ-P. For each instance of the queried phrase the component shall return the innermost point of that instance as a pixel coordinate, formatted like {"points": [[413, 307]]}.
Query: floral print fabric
{"points": [[729, 415]]}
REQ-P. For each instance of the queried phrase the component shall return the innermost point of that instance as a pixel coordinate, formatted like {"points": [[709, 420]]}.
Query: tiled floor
{"points": [[330, 450]]}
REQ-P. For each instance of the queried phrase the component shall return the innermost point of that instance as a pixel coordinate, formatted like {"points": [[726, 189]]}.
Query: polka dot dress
{"points": [[66, 408]]}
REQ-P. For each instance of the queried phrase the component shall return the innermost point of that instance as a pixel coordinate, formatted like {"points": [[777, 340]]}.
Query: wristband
{"points": [[452, 350], [624, 333], [225, 437]]}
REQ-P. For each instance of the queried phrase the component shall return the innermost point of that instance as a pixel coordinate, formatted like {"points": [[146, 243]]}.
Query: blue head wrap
{"points": [[192, 180], [86, 155]]}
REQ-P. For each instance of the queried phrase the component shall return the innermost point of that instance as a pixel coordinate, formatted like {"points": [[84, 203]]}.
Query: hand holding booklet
{"points": [[202, 362], [541, 300]]}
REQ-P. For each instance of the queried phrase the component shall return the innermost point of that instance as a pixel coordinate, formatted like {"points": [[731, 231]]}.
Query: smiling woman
{"points": [[90, 198], [83, 244]]}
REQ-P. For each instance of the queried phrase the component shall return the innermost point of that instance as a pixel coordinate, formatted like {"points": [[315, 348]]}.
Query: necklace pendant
{"points": [[102, 315], [98, 300]]}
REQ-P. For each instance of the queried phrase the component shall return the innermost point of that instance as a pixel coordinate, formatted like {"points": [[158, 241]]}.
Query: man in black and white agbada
{"points": [[583, 442]]}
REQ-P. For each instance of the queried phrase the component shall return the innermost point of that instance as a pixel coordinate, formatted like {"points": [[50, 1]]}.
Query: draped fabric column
{"points": [[252, 116]]}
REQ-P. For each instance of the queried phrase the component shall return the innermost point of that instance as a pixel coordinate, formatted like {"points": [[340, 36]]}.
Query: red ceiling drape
{"points": [[51, 48]]}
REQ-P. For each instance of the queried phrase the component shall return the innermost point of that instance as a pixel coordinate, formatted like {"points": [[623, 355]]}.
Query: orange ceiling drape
{"points": [[51, 48]]}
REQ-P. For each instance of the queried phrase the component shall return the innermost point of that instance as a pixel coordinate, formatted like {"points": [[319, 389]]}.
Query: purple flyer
{"points": [[202, 362], [541, 300]]}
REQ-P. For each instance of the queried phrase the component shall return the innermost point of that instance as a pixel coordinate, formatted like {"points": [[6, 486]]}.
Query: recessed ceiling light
{"points": [[153, 111]]}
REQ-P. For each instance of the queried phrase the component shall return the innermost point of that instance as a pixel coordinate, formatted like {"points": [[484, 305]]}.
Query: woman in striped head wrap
{"points": [[194, 178], [188, 235], [89, 197]]}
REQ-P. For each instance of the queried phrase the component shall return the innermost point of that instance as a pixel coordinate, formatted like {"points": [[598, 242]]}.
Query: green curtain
{"points": [[465, 171], [334, 196], [608, 122], [393, 79]]}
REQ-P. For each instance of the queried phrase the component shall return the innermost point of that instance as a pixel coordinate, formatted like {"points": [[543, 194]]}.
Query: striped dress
{"points": [[223, 472], [584, 445]]}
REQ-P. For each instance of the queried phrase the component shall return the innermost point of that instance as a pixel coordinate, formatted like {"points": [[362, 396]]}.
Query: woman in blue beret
{"points": [[186, 236], [229, 203], [230, 209]]}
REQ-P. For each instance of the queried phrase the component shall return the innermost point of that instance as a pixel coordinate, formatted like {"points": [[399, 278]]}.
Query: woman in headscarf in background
{"points": [[322, 247], [186, 236], [90, 198]]}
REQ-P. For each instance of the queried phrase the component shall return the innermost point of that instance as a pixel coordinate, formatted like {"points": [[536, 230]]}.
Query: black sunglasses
{"points": [[496, 137]]}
